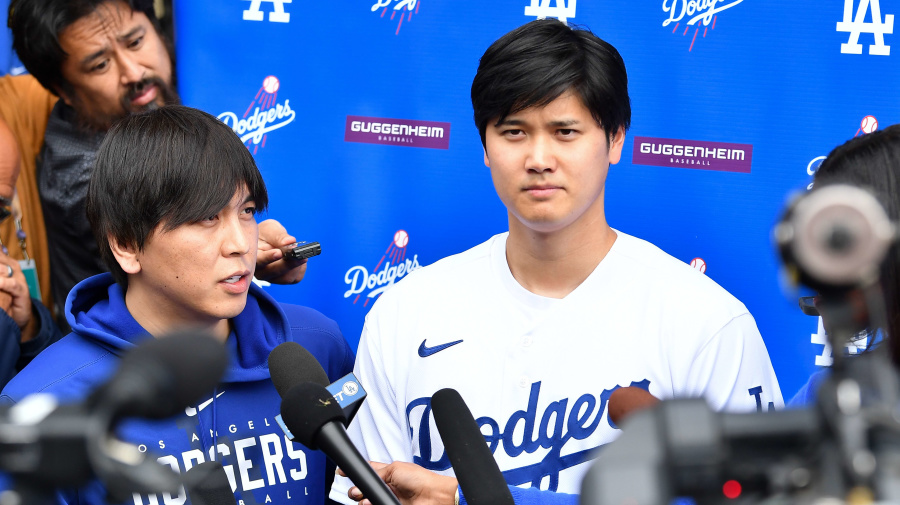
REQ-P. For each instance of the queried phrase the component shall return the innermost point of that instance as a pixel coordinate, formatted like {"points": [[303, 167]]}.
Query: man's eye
{"points": [[100, 66], [136, 42], [513, 133], [250, 210], [211, 218], [566, 132]]}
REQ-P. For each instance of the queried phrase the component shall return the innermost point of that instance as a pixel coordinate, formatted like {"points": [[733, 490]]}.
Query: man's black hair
{"points": [[165, 168], [537, 62], [37, 24], [872, 162]]}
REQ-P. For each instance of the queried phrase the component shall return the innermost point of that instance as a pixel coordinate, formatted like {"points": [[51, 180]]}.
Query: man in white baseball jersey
{"points": [[538, 326]]}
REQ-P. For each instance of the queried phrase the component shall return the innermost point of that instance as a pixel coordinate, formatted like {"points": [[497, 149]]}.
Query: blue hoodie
{"points": [[238, 419]]}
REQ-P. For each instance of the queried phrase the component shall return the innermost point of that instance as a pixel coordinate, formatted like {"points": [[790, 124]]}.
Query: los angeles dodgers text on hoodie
{"points": [[234, 425]]}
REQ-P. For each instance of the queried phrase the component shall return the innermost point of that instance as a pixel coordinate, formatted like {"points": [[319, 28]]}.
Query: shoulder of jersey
{"points": [[664, 272]]}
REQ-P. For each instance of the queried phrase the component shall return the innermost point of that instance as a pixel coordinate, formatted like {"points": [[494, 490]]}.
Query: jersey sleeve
{"points": [[377, 429], [732, 370]]}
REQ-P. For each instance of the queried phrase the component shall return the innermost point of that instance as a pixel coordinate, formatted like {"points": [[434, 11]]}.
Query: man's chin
{"points": [[90, 122]]}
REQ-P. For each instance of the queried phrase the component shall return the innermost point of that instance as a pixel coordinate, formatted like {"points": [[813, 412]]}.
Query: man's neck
{"points": [[160, 321], [553, 264]]}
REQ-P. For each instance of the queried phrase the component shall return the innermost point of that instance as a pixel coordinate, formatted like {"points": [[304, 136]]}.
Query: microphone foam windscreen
{"points": [[162, 376], [479, 477], [194, 360], [290, 364], [207, 484], [306, 408]]}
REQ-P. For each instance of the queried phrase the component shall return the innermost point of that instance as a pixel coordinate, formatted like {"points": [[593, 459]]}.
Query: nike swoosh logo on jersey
{"points": [[191, 411], [424, 351]]}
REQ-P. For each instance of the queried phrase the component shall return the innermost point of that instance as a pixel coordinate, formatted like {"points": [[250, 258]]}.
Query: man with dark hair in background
{"points": [[180, 242], [105, 59], [538, 326], [871, 162]]}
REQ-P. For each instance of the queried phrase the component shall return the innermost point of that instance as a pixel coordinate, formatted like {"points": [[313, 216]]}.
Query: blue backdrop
{"points": [[365, 137]]}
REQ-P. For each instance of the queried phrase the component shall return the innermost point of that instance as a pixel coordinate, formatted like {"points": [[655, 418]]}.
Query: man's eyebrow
{"points": [[134, 31], [509, 122], [562, 123], [93, 56], [100, 52]]}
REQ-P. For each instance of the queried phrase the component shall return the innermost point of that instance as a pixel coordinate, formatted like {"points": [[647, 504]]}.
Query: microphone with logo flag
{"points": [[291, 364], [314, 419], [479, 477]]}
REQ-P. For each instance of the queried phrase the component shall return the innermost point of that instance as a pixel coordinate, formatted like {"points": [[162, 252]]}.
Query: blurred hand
{"points": [[411, 484], [16, 289], [271, 265]]}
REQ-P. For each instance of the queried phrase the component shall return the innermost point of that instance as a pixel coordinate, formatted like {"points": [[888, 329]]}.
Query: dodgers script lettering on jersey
{"points": [[559, 423], [522, 433]]}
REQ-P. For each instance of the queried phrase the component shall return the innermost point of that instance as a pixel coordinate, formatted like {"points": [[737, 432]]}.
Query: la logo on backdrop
{"points": [[403, 7], [694, 14], [396, 266], [857, 25], [541, 9], [264, 115], [277, 15]]}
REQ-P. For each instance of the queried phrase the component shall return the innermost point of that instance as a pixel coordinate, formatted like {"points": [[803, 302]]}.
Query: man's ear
{"points": [[487, 161], [126, 255], [615, 146], [63, 95]]}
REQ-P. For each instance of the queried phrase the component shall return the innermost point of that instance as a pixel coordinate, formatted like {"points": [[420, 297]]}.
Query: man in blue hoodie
{"points": [[180, 241]]}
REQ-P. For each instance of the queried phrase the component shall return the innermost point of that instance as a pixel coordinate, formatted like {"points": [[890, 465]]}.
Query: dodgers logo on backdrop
{"points": [[277, 15], [867, 125], [397, 132], [358, 278], [697, 12], [264, 115], [719, 156], [857, 25], [402, 7], [541, 9]]}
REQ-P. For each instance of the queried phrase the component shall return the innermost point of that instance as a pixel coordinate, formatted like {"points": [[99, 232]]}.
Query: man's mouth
{"points": [[233, 279], [147, 95], [542, 191]]}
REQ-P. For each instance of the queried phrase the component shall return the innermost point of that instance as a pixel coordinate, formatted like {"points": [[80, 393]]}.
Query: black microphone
{"points": [[479, 477], [162, 376], [316, 421], [207, 484], [62, 446], [290, 364]]}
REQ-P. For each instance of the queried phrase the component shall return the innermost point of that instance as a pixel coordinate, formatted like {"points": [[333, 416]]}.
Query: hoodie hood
{"points": [[95, 309]]}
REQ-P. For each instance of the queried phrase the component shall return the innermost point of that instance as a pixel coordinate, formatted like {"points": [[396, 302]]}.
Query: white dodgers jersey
{"points": [[537, 372]]}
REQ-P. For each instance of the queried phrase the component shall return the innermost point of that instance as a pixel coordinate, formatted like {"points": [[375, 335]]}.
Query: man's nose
{"points": [[130, 69], [541, 155], [236, 240]]}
